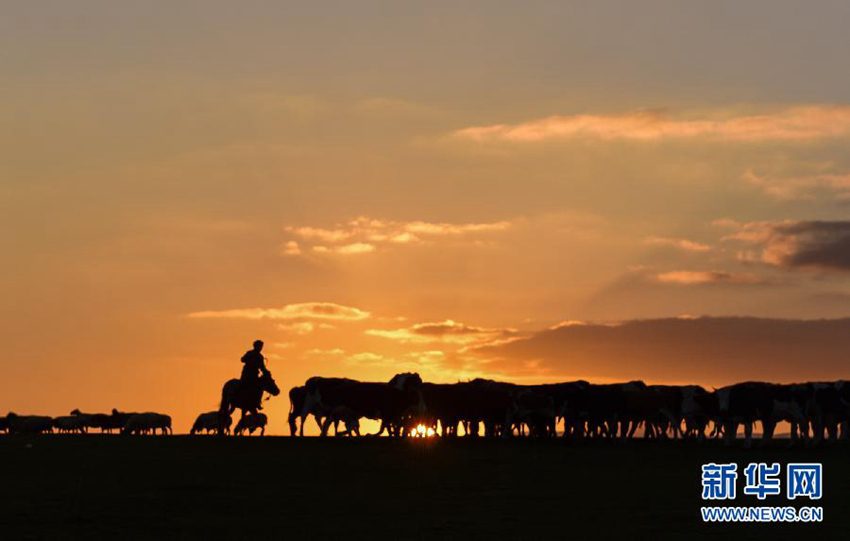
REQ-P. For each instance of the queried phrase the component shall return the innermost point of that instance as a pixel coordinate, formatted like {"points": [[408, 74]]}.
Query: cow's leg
{"points": [[817, 431], [676, 428], [292, 420], [730, 430], [748, 434], [381, 430], [832, 431], [325, 425], [624, 429], [768, 428], [611, 426], [804, 428]]}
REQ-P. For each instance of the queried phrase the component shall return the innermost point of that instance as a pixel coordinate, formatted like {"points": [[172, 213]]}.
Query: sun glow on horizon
{"points": [[421, 431]]}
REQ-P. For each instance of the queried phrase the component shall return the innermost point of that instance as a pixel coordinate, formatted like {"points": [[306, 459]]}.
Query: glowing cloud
{"points": [[794, 124], [364, 235], [443, 331], [706, 277], [291, 248], [301, 311], [356, 248], [801, 187], [682, 244], [428, 228]]}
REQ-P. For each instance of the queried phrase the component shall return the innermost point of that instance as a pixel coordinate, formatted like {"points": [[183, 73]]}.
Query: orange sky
{"points": [[459, 191]]}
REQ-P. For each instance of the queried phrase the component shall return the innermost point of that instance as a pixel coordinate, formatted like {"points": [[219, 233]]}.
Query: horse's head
{"points": [[268, 384]]}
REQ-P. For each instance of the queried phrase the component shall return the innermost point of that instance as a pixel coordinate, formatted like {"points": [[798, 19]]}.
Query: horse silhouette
{"points": [[247, 397]]}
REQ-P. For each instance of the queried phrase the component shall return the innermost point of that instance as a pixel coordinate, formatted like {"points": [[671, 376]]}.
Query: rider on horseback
{"points": [[254, 364]]}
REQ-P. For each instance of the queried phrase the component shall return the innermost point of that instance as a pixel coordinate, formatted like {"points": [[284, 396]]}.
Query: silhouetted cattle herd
{"points": [[576, 410], [405, 405]]}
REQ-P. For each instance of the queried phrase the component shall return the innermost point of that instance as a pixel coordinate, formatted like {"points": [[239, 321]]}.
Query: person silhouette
{"points": [[253, 365]]}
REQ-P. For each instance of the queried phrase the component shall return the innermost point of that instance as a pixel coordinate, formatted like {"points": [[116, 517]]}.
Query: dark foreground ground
{"points": [[122, 488]]}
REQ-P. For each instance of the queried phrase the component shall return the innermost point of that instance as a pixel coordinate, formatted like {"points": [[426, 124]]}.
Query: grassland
{"points": [[124, 488]]}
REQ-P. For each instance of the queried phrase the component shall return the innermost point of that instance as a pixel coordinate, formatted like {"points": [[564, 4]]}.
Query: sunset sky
{"points": [[457, 189]]}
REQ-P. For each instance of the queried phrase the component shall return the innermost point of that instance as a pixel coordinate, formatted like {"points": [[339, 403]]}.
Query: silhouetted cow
{"points": [[748, 402], [826, 409], [392, 403], [301, 406]]}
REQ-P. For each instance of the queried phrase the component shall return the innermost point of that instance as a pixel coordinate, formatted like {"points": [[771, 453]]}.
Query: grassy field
{"points": [[113, 487]]}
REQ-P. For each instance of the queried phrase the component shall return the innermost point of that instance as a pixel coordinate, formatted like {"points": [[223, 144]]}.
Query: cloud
{"points": [[822, 245], [326, 235], [794, 124], [435, 363], [681, 244], [356, 248], [443, 331], [801, 187], [335, 352], [347, 249], [367, 358], [706, 277], [301, 311], [299, 327], [291, 248], [430, 228], [707, 350], [364, 235]]}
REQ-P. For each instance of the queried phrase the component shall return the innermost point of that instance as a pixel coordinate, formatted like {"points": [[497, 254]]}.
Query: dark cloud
{"points": [[797, 244], [819, 244], [707, 350]]}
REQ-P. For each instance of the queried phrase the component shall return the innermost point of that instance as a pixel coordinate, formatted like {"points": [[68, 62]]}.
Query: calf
{"points": [[251, 422], [349, 419]]}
